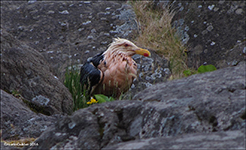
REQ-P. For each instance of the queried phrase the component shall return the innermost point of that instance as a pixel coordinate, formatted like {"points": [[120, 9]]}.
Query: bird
{"points": [[112, 71]]}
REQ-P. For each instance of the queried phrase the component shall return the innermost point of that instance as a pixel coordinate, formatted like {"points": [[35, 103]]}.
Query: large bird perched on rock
{"points": [[111, 72]]}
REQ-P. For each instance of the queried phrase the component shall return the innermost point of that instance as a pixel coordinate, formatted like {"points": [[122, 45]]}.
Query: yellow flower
{"points": [[92, 101]]}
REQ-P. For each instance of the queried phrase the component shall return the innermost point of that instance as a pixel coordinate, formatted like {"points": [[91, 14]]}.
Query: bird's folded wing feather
{"points": [[90, 75]]}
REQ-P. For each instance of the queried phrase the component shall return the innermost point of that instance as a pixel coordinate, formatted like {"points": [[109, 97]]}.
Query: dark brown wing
{"points": [[90, 75]]}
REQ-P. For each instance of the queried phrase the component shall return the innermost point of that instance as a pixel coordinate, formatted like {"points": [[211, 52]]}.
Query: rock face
{"points": [[68, 33], [201, 104], [217, 140], [208, 101], [25, 71], [18, 121], [212, 30]]}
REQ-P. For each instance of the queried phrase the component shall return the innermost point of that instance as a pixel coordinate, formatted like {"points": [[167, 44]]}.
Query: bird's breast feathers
{"points": [[119, 73]]}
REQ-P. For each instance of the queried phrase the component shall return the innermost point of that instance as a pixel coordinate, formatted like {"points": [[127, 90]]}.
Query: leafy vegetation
{"points": [[102, 98], [201, 69], [206, 68]]}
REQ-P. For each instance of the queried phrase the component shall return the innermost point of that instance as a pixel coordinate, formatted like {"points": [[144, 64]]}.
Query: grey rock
{"points": [[188, 110], [18, 121], [217, 140], [24, 70], [217, 27], [211, 101], [151, 70]]}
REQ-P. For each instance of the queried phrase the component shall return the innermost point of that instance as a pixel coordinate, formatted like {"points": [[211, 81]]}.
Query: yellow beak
{"points": [[143, 52]]}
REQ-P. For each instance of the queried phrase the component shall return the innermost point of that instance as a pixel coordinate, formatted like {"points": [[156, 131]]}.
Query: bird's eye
{"points": [[126, 45]]}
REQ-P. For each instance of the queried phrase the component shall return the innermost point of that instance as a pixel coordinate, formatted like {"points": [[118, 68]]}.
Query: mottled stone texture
{"points": [[212, 30], [204, 104]]}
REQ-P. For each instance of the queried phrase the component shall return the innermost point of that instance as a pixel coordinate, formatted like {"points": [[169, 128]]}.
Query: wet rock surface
{"points": [[219, 106]]}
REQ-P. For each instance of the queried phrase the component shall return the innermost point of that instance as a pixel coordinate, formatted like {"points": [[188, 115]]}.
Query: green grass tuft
{"points": [[72, 82]]}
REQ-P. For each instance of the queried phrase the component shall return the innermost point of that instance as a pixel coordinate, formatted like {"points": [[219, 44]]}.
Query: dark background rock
{"points": [[210, 29], [206, 103], [25, 71], [18, 121]]}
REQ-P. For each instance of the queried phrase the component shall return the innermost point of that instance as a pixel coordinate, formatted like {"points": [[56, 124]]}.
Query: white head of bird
{"points": [[126, 47]]}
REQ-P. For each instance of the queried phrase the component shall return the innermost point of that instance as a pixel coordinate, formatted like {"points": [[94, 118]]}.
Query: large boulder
{"points": [[207, 102], [203, 103], [18, 121], [25, 71]]}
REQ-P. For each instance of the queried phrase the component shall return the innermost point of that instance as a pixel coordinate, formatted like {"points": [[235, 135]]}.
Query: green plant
{"points": [[71, 81], [102, 98], [206, 68], [80, 100], [187, 73], [201, 69], [16, 93]]}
